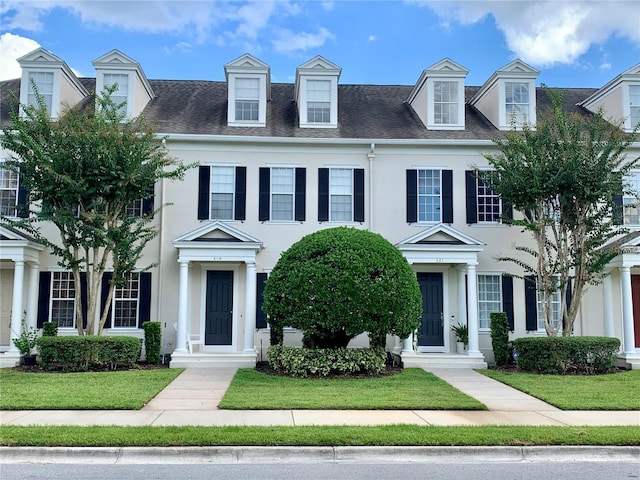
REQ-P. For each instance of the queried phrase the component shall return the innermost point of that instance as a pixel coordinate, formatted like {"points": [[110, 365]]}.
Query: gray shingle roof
{"points": [[364, 111]]}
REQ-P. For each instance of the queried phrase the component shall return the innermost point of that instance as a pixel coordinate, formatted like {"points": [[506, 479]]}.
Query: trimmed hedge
{"points": [[72, 354], [306, 362], [49, 329], [500, 337], [152, 341], [562, 355]]}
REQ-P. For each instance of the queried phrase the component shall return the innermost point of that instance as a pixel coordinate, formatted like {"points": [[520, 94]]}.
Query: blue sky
{"points": [[573, 44]]}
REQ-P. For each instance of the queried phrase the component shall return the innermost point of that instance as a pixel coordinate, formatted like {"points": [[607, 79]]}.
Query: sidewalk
{"points": [[192, 399]]}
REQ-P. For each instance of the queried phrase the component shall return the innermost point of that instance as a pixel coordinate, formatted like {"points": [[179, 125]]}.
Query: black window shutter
{"points": [[618, 212], [447, 196], [471, 192], [300, 194], [241, 193], [358, 197], [144, 301], [261, 317], [412, 196], [147, 203], [507, 299], [531, 303], [44, 292], [264, 191], [22, 200], [104, 292], [83, 299], [323, 194], [204, 185]]}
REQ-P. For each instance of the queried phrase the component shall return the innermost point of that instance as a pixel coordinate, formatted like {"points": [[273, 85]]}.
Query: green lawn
{"points": [[397, 435], [127, 389], [615, 391], [412, 389]]}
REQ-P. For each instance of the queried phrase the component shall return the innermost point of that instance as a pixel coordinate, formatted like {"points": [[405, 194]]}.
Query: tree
{"points": [[337, 283], [82, 172], [564, 175]]}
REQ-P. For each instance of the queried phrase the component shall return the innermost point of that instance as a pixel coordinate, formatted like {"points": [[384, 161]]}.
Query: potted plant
{"points": [[462, 337], [26, 342]]}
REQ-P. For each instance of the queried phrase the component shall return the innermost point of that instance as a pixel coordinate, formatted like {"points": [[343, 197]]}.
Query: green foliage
{"points": [[561, 355], [276, 334], [27, 340], [500, 337], [563, 176], [82, 171], [461, 332], [152, 341], [306, 362], [337, 283], [49, 329], [82, 353]]}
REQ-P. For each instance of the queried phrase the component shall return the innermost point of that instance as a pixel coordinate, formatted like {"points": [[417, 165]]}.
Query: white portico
{"points": [[436, 255], [217, 297]]}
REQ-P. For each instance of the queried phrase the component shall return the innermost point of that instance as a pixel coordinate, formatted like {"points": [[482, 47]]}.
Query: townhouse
{"points": [[277, 161]]}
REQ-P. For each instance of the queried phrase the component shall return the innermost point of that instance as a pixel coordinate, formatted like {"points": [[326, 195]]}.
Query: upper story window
{"points": [[125, 303], [9, 182], [135, 208], [282, 193], [318, 101], [341, 194], [634, 104], [445, 103], [63, 300], [488, 203], [631, 199], [44, 85], [222, 192], [516, 99], [429, 196], [489, 298], [247, 99], [120, 95]]}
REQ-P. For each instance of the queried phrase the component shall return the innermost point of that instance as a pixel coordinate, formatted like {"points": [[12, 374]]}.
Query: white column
{"points": [[627, 312], [407, 345], [472, 307], [462, 299], [250, 307], [183, 298], [32, 296], [16, 304], [608, 307]]}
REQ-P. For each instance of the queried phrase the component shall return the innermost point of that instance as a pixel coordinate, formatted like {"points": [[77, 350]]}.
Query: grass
{"points": [[128, 389], [411, 389], [616, 391], [391, 435]]}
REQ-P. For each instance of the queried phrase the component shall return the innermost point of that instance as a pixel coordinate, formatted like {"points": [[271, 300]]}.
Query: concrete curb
{"points": [[254, 455]]}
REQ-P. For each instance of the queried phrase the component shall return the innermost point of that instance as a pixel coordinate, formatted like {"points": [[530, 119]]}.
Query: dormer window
{"points": [[634, 105], [316, 92], [247, 99], [318, 101], [248, 87], [516, 102], [120, 96], [43, 82], [445, 103]]}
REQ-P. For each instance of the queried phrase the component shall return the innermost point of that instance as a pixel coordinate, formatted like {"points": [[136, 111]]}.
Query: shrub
{"points": [[152, 341], [49, 329], [337, 283], [561, 355], [82, 353], [500, 338], [305, 362], [27, 340]]}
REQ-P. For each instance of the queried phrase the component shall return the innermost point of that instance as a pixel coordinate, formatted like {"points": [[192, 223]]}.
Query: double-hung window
{"points": [[534, 299], [63, 300], [120, 95], [445, 103], [429, 196], [9, 183], [125, 303], [281, 194], [318, 101], [483, 204], [517, 102], [43, 82], [247, 101], [341, 194], [631, 199], [489, 298], [555, 309], [634, 105], [222, 192]]}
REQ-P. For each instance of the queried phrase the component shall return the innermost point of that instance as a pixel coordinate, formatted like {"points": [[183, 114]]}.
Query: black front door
{"points": [[431, 333], [219, 304]]}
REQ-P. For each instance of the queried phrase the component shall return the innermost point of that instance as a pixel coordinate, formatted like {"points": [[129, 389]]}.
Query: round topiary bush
{"points": [[337, 283]]}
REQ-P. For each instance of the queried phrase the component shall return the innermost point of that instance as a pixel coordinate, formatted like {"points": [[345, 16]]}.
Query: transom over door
{"points": [[219, 305], [431, 332]]}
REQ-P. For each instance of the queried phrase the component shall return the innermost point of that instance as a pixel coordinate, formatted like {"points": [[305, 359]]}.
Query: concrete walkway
{"points": [[192, 399]]}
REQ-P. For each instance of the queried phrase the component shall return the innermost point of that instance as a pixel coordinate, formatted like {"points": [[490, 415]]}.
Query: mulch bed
{"points": [[139, 366]]}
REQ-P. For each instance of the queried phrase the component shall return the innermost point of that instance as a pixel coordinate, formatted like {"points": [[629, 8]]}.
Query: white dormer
{"points": [[249, 89], [509, 96], [54, 80], [620, 98], [133, 87], [438, 96], [316, 91]]}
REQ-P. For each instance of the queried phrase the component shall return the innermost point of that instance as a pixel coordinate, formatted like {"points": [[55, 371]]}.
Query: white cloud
{"points": [[13, 47], [545, 33], [287, 41]]}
